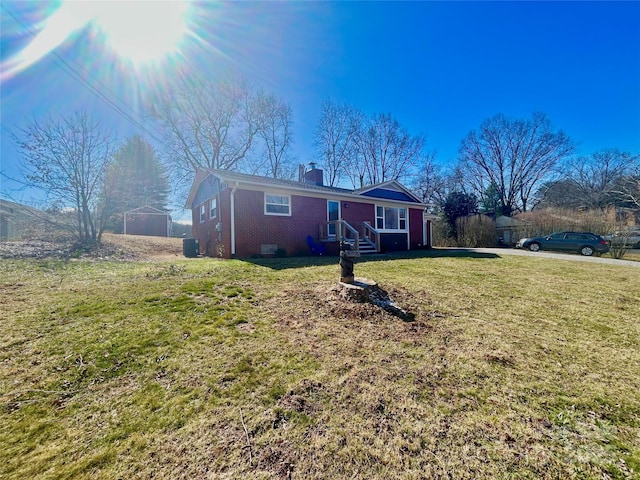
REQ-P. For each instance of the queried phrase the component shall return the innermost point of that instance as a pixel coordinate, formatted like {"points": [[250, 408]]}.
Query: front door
{"points": [[333, 214]]}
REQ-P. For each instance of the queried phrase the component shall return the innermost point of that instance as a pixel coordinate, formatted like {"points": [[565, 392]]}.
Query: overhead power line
{"points": [[118, 105]]}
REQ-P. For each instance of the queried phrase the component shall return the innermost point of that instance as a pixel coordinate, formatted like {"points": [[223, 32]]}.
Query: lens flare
{"points": [[139, 32], [51, 33]]}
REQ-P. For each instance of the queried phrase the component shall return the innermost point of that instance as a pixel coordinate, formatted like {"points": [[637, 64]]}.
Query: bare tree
{"points": [[595, 177], [209, 123], [274, 129], [67, 160], [386, 151], [515, 155], [561, 193], [335, 140], [432, 183], [590, 181], [628, 186]]}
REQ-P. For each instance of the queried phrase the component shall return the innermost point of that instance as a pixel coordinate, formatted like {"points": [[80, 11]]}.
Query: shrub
{"points": [[476, 231]]}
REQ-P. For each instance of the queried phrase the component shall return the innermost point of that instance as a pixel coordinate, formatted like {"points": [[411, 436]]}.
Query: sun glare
{"points": [[141, 31]]}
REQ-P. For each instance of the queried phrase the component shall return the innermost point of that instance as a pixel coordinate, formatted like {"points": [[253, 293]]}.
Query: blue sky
{"points": [[440, 68]]}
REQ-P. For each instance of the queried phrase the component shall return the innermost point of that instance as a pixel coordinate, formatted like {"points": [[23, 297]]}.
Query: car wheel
{"points": [[587, 251], [534, 247]]}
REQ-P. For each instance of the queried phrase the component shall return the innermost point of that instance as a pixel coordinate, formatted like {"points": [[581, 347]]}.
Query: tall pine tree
{"points": [[136, 178]]}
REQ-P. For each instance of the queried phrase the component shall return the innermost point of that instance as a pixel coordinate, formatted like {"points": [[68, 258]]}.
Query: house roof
{"points": [[385, 190], [12, 208], [259, 180], [503, 221], [391, 190], [147, 210]]}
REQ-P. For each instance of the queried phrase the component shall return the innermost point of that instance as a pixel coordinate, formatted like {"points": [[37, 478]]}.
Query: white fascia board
{"points": [[353, 197]]}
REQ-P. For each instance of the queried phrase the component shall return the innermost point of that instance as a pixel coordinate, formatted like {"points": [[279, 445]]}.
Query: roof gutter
{"points": [[327, 194]]}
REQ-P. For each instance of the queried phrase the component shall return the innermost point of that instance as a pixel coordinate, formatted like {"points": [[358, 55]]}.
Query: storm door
{"points": [[333, 214]]}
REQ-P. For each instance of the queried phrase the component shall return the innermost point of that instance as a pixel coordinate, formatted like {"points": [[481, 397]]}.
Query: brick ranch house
{"points": [[240, 215]]}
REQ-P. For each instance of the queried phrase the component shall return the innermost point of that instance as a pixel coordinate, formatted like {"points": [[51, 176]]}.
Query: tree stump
{"points": [[347, 259], [363, 290]]}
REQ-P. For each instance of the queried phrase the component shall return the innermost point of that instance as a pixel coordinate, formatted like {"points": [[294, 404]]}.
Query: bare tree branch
{"points": [[335, 141], [386, 151], [209, 123], [67, 159], [274, 129], [513, 155]]}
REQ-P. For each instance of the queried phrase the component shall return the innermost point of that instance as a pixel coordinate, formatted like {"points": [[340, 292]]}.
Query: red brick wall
{"points": [[355, 213], [254, 228], [210, 243]]}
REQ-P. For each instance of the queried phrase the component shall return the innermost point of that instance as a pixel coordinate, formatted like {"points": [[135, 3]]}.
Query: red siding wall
{"points": [[416, 228]]}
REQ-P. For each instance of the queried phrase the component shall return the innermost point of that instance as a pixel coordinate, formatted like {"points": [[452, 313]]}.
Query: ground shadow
{"points": [[302, 262]]}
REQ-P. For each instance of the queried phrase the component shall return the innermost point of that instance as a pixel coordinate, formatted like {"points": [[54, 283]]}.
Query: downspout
{"points": [[427, 230], [408, 230], [233, 219], [430, 233]]}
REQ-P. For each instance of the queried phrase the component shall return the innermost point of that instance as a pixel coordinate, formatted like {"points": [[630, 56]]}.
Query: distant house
{"points": [[147, 221], [21, 221], [509, 230], [7, 220], [242, 215]]}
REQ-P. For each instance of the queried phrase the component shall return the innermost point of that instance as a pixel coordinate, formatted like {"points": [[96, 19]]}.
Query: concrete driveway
{"points": [[543, 254]]}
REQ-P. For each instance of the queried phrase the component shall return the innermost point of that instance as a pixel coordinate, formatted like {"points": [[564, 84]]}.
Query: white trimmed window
{"points": [[391, 218], [203, 212], [213, 208], [277, 204]]}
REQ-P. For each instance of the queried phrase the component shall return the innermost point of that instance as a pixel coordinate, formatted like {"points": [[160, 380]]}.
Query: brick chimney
{"points": [[314, 176]]}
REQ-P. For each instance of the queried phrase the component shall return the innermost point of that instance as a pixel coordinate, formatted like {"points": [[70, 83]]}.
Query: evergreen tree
{"points": [[457, 205], [490, 201], [136, 178]]}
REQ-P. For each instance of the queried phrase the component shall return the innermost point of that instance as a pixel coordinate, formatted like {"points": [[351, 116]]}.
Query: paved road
{"points": [[560, 256]]}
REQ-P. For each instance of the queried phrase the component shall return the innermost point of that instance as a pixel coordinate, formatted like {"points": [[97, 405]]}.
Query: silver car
{"points": [[627, 238]]}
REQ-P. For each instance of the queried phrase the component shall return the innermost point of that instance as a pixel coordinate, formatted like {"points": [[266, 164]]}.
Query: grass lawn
{"points": [[629, 255], [515, 367]]}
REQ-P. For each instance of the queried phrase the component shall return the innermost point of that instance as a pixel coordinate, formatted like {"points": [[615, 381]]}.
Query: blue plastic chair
{"points": [[316, 248]]}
